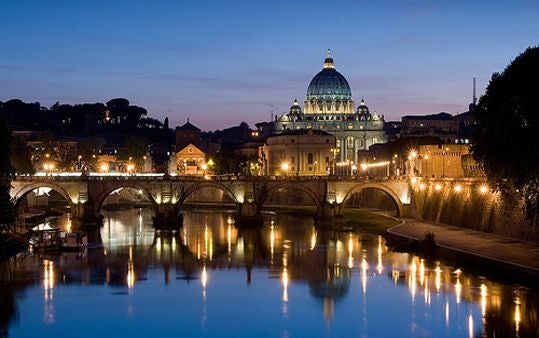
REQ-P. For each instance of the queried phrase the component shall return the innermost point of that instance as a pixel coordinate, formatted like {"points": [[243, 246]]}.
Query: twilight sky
{"points": [[221, 62]]}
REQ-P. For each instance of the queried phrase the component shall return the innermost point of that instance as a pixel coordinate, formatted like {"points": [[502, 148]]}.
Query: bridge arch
{"points": [[388, 191], [98, 203], [318, 203], [204, 185], [25, 190]]}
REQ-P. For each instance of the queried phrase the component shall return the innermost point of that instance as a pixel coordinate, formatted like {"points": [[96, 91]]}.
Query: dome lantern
{"points": [[328, 61]]}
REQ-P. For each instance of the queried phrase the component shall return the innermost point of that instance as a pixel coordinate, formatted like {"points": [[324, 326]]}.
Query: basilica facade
{"points": [[329, 107]]}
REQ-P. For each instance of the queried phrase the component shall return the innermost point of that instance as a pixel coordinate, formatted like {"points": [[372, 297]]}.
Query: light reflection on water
{"points": [[289, 278]]}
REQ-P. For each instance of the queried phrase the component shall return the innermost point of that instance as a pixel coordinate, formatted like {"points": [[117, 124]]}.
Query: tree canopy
{"points": [[7, 213], [507, 127]]}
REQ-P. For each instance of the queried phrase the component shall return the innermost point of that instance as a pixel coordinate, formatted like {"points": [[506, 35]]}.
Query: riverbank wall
{"points": [[472, 208]]}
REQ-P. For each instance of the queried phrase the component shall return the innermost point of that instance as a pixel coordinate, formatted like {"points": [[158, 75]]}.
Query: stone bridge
{"points": [[86, 193]]}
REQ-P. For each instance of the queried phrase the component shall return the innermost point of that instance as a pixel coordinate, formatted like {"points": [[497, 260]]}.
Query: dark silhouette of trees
{"points": [[21, 156], [134, 150], [505, 142], [7, 209]]}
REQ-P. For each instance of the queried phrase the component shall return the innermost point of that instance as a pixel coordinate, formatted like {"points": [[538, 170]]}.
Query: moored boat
{"points": [[56, 240]]}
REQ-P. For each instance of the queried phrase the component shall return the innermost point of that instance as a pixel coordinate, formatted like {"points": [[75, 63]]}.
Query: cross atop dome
{"points": [[328, 61]]}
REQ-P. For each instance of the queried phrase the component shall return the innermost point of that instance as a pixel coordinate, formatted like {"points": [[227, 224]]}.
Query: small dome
{"points": [[296, 108], [363, 111]]}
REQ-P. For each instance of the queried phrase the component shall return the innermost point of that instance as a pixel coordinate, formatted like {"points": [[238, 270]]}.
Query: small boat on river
{"points": [[53, 239]]}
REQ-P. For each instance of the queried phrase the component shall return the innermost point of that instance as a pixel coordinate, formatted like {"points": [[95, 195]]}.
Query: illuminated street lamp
{"points": [[411, 161], [285, 166], [104, 167], [204, 168], [130, 168], [48, 167], [426, 157]]}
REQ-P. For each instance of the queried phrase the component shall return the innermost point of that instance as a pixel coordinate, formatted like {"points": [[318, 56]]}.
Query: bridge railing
{"points": [[160, 177]]}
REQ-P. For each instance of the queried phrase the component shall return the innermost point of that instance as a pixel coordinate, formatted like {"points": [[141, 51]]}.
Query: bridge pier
{"points": [[329, 210], [167, 216], [248, 215], [83, 216]]}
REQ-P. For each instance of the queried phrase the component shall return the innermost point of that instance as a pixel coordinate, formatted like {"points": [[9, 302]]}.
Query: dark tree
{"points": [[21, 156], [165, 124], [88, 152], [118, 103], [134, 150], [505, 142], [7, 212]]}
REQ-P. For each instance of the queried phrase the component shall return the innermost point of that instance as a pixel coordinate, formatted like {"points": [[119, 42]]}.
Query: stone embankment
{"points": [[519, 254]]}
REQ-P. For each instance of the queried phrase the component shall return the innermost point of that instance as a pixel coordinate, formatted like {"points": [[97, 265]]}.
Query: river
{"points": [[287, 278]]}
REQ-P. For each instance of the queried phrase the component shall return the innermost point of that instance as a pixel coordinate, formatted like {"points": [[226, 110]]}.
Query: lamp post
{"points": [[333, 164], [426, 157], [411, 160], [284, 167], [48, 167]]}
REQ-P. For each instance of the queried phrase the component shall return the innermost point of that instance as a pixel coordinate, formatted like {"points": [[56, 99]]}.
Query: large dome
{"points": [[329, 84]]}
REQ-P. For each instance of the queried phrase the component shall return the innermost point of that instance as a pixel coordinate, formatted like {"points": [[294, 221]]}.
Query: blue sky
{"points": [[222, 62]]}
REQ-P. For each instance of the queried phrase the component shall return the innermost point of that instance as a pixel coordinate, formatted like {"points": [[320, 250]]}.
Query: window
{"points": [[310, 158]]}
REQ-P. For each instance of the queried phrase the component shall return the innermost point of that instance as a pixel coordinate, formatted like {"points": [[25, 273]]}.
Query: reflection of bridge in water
{"points": [[86, 194]]}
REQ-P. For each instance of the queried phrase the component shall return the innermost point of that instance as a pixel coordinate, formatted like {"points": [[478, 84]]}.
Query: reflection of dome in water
{"points": [[336, 288]]}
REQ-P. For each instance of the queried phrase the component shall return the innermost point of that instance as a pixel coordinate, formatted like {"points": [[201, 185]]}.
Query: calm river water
{"points": [[286, 279]]}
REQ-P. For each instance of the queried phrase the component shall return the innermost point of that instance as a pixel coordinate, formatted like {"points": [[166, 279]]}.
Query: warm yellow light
{"points": [[458, 188], [413, 180], [130, 167], [422, 186], [483, 189], [458, 289], [285, 166], [470, 326], [104, 167], [364, 268], [438, 278], [438, 187], [517, 315], [204, 167], [364, 166], [204, 277], [284, 280], [483, 299]]}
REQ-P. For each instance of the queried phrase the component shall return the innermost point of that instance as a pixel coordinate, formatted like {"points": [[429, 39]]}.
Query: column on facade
{"points": [[355, 150], [343, 149]]}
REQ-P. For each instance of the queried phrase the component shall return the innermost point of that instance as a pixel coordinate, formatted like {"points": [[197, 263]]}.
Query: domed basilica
{"points": [[329, 107]]}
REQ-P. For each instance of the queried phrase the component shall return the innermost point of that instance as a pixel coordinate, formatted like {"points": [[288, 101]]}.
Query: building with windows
{"points": [[329, 107], [298, 152], [444, 160], [191, 161]]}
